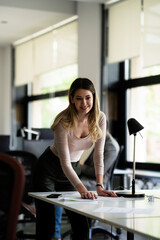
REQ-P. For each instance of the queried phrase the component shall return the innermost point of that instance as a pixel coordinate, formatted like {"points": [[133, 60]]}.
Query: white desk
{"points": [[133, 215]]}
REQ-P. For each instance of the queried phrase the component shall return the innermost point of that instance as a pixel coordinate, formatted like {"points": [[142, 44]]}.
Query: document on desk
{"points": [[75, 197]]}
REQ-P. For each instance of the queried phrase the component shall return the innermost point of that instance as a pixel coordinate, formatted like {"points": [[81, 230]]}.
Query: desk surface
{"points": [[133, 215]]}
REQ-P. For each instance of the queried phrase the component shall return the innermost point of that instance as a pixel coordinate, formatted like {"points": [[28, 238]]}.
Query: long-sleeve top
{"points": [[69, 148]]}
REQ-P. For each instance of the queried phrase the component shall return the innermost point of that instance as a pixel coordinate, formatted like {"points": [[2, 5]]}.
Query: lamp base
{"points": [[130, 195]]}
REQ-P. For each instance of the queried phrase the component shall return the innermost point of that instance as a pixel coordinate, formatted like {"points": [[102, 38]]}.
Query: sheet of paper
{"points": [[75, 197]]}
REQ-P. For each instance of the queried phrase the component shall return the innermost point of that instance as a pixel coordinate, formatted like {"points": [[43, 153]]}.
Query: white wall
{"points": [[89, 42], [5, 90]]}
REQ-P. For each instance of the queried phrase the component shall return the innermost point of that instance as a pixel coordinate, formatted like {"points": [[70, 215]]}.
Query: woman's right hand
{"points": [[85, 194], [88, 195]]}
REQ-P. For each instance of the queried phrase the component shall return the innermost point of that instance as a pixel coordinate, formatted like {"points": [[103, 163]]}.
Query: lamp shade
{"points": [[134, 126]]}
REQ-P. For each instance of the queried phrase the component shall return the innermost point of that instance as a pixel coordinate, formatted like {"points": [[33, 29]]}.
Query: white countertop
{"points": [[139, 216]]}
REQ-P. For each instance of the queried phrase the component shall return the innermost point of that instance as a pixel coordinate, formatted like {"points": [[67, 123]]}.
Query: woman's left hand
{"points": [[106, 193]]}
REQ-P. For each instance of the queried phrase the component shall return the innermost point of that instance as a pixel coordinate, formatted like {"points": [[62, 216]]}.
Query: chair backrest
{"points": [[27, 160], [12, 180], [113, 167]]}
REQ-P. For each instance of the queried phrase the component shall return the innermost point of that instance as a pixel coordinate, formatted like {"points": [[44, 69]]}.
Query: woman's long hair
{"points": [[68, 117]]}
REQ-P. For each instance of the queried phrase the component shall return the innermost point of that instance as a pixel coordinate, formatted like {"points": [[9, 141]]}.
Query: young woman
{"points": [[75, 130]]}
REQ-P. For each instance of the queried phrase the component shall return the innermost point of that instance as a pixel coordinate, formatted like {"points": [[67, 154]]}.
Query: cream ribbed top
{"points": [[69, 149]]}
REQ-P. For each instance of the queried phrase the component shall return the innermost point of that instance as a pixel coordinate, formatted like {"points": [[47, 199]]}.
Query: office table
{"points": [[140, 216]]}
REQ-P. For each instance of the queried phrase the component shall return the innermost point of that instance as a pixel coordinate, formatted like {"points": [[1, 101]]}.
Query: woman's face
{"points": [[83, 100]]}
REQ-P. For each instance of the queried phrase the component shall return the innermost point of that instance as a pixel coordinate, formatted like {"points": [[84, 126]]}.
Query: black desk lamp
{"points": [[133, 127]]}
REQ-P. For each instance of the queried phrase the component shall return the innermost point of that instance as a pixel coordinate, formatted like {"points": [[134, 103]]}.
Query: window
{"points": [[50, 68], [137, 70], [43, 112], [143, 103], [64, 71], [144, 106], [57, 80], [133, 89]]}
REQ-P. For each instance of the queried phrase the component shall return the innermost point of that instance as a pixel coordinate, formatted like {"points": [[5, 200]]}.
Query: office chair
{"points": [[110, 183], [12, 181], [98, 229], [27, 160]]}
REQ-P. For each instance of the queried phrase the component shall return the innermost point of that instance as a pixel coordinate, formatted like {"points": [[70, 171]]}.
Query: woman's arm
{"points": [[62, 148], [99, 147], [61, 143]]}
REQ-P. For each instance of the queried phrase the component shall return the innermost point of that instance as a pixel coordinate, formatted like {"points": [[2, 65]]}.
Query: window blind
{"points": [[53, 50], [124, 31], [24, 63], [151, 33]]}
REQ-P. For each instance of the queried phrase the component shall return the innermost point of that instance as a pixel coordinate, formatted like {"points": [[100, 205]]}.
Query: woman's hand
{"points": [[88, 195], [85, 194], [105, 193]]}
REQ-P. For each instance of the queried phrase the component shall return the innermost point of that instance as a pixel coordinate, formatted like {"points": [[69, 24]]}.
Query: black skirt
{"points": [[48, 174]]}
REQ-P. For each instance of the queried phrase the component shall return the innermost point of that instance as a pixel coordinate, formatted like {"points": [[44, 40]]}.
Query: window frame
{"points": [[113, 81]]}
